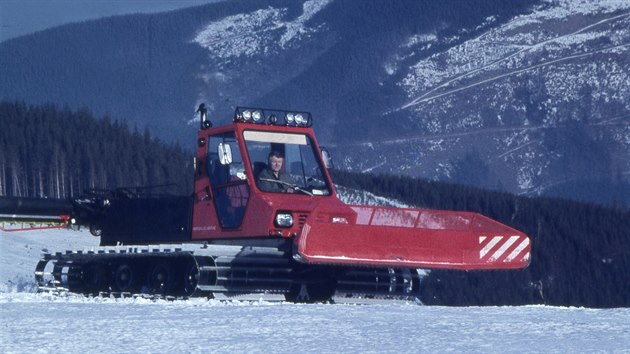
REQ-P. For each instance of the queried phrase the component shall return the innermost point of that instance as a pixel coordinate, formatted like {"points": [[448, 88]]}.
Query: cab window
{"points": [[301, 166]]}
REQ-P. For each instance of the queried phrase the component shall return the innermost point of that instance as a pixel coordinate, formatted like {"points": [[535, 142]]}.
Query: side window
{"points": [[229, 186], [223, 174]]}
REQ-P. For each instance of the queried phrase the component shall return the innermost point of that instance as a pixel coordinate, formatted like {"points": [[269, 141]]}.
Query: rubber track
{"points": [[230, 270], [222, 269]]}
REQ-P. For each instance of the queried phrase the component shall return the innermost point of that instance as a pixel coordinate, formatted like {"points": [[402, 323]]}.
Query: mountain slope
{"points": [[528, 97]]}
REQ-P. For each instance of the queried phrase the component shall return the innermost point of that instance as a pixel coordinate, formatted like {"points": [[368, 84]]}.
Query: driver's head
{"points": [[275, 160]]}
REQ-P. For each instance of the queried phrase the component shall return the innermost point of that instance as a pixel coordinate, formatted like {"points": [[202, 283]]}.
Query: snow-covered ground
{"points": [[20, 251], [31, 322]]}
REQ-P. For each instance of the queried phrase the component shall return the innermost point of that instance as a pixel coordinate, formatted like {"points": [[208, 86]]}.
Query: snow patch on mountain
{"points": [[560, 9], [296, 29], [234, 36], [257, 33]]}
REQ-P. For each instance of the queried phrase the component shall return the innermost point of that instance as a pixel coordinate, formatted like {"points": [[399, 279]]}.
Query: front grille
{"points": [[302, 219]]}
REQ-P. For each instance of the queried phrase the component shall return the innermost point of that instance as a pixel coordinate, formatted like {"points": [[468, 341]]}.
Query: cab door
{"points": [[230, 190]]}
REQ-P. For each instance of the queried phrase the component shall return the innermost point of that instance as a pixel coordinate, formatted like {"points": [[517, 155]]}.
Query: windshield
{"points": [[284, 162]]}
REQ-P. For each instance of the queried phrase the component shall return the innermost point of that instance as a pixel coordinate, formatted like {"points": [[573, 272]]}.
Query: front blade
{"points": [[380, 236]]}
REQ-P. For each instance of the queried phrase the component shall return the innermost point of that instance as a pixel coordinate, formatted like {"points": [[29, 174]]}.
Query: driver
{"points": [[275, 172]]}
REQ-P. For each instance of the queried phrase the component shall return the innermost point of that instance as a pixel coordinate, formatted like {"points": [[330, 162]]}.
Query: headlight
{"points": [[290, 118], [284, 219], [247, 115]]}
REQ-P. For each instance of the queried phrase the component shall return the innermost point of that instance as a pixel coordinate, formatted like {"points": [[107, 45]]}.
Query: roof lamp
{"points": [[256, 115], [299, 119]]}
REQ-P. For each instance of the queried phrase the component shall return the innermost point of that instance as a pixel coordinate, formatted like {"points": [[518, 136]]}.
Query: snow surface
{"points": [[31, 322]]}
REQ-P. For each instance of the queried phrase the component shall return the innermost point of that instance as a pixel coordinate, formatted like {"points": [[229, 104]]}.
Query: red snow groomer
{"points": [[265, 217]]}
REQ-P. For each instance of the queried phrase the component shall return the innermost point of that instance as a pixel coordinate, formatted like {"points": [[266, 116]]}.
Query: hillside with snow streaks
{"points": [[515, 47], [529, 96]]}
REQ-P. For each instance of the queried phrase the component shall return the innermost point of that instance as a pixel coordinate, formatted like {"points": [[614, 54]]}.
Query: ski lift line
{"points": [[533, 67], [529, 46], [447, 93], [441, 136], [524, 48], [605, 122], [541, 188], [518, 148], [370, 169]]}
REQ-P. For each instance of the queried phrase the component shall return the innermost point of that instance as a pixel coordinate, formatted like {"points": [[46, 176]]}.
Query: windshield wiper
{"points": [[294, 186]]}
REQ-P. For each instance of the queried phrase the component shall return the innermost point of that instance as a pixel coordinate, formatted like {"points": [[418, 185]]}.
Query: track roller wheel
{"points": [[126, 278], [191, 277], [411, 282], [96, 230], [75, 278], [311, 292], [162, 279], [95, 278]]}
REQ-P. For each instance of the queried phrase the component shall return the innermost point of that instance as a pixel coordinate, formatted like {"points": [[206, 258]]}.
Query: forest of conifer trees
{"points": [[48, 152], [580, 251]]}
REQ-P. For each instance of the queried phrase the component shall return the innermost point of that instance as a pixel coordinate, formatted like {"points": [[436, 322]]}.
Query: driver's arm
{"points": [[285, 177]]}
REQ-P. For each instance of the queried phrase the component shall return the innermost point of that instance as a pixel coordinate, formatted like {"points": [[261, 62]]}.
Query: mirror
{"points": [[328, 162], [225, 153]]}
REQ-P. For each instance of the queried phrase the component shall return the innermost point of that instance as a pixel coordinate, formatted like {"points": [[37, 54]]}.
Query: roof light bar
{"points": [[270, 117]]}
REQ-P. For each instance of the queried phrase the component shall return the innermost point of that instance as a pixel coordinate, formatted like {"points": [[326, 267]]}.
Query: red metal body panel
{"points": [[380, 236]]}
